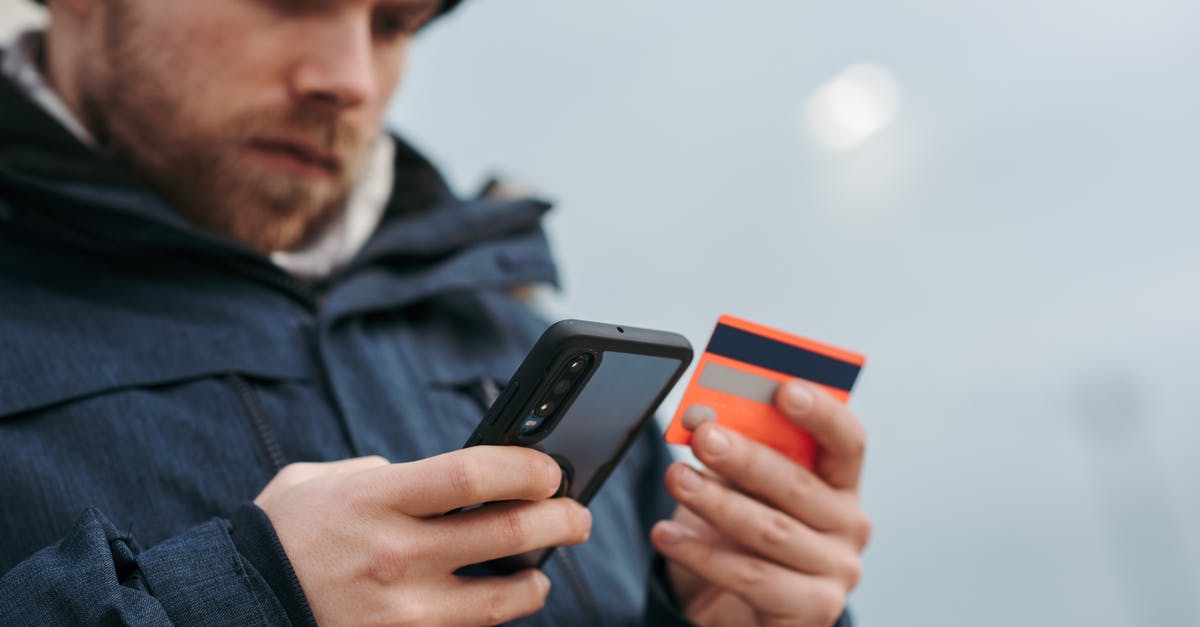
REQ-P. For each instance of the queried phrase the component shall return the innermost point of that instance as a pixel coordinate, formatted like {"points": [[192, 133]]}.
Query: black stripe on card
{"points": [[765, 352]]}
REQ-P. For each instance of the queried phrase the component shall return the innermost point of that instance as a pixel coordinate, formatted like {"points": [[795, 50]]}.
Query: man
{"points": [[221, 282]]}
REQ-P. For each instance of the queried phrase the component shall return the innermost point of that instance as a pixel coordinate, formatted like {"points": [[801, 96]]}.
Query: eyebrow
{"points": [[432, 5]]}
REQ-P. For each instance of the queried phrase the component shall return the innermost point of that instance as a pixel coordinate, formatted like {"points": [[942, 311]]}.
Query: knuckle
{"points": [[753, 461], [716, 503], [515, 528], [799, 488], [385, 564], [776, 530], [466, 478], [494, 607], [701, 555], [751, 573]]}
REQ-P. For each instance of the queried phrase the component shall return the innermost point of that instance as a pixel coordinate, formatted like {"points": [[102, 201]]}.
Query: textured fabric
{"points": [[99, 577], [255, 539]]}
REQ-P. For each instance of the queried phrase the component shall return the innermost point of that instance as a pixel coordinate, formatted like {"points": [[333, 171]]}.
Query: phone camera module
{"points": [[561, 387]]}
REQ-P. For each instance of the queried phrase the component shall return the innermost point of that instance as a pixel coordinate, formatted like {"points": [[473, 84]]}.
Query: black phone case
{"points": [[561, 342]]}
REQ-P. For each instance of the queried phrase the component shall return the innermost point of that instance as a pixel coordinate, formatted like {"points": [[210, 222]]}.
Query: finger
{"points": [[479, 474], [354, 464], [768, 475], [496, 600], [768, 532], [842, 437], [504, 529], [768, 587], [301, 472]]}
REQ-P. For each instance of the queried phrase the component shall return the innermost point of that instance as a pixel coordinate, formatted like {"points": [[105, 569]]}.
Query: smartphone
{"points": [[583, 394]]}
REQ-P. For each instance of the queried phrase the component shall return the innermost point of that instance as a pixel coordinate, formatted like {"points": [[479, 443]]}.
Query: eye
{"points": [[389, 24]]}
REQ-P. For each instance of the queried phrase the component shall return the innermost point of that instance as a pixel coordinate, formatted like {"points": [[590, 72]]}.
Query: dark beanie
{"points": [[447, 5]]}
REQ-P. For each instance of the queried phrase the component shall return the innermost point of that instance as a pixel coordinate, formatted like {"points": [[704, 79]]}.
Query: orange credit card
{"points": [[742, 368]]}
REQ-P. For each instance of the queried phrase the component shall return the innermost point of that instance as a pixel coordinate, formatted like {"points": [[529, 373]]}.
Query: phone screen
{"points": [[620, 390]]}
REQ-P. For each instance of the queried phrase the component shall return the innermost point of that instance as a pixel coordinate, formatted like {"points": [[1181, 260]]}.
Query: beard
{"points": [[135, 101]]}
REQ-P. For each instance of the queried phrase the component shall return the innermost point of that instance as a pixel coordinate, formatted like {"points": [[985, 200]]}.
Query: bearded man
{"points": [[246, 331]]}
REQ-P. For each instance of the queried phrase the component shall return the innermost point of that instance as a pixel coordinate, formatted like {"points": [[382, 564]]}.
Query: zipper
{"points": [[265, 434]]}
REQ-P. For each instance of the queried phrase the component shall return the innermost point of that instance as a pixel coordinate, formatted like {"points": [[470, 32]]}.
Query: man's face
{"points": [[252, 117]]}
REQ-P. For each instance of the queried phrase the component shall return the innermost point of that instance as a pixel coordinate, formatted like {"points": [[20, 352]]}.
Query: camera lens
{"points": [[577, 364], [561, 387], [543, 409], [531, 424]]}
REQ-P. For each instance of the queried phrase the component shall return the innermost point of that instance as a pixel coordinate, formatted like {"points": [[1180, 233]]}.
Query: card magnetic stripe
{"points": [[794, 361]]}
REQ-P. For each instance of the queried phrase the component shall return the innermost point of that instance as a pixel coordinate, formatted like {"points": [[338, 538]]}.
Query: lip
{"points": [[298, 155]]}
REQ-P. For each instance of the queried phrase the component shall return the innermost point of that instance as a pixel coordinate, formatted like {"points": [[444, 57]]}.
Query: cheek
{"points": [[204, 52]]}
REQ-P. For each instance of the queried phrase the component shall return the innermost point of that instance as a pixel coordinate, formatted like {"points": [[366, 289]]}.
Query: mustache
{"points": [[322, 130]]}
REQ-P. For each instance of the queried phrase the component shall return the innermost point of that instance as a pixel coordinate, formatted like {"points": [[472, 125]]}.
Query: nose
{"points": [[337, 68]]}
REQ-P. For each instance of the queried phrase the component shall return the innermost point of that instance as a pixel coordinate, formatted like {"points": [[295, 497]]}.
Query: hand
{"points": [[763, 540], [370, 543]]}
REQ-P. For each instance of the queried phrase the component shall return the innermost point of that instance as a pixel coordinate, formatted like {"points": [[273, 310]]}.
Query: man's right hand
{"points": [[370, 544]]}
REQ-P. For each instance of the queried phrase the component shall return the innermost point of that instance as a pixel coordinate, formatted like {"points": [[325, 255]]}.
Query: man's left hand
{"points": [[761, 540]]}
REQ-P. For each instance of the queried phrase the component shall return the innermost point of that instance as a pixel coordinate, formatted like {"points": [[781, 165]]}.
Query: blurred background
{"points": [[995, 202]]}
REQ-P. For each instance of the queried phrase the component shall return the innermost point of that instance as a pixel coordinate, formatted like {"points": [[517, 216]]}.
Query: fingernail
{"points": [[553, 475], [670, 532], [689, 480], [586, 522], [797, 398], [697, 415], [542, 580], [717, 442]]}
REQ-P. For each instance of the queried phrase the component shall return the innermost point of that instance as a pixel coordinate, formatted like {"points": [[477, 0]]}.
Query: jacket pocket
{"points": [[154, 433]]}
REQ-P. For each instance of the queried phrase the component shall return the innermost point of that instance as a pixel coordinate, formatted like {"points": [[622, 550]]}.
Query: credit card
{"points": [[741, 370]]}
